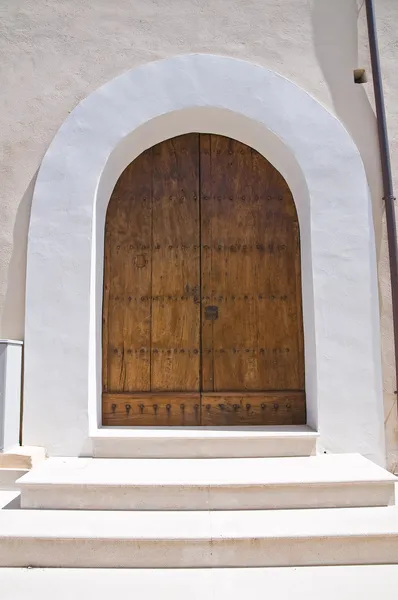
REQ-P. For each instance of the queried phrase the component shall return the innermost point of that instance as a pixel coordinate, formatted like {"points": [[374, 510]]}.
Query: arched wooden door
{"points": [[202, 318]]}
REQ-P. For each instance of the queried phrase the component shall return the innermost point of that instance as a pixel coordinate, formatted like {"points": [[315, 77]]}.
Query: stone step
{"points": [[204, 442], [207, 484], [10, 476], [22, 457], [10, 499], [198, 539], [366, 582]]}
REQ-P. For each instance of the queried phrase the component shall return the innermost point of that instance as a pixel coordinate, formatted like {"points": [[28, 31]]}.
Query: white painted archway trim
{"points": [[323, 168]]}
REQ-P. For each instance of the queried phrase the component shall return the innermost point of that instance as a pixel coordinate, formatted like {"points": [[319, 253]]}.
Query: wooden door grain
{"points": [[127, 281], [251, 273], [175, 335], [151, 310], [202, 318]]}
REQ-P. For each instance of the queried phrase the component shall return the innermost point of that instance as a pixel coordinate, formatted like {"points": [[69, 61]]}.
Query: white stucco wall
{"points": [[54, 54]]}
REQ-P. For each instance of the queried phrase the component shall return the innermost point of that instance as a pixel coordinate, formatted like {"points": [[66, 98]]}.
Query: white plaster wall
{"points": [[56, 53]]}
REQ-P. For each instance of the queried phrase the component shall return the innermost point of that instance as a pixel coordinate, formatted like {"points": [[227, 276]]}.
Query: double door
{"points": [[202, 320]]}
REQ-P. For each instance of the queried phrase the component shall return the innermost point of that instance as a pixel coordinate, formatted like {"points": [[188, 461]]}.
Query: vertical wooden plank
{"points": [[175, 342], [208, 290], [227, 205], [128, 280], [105, 310], [278, 351]]}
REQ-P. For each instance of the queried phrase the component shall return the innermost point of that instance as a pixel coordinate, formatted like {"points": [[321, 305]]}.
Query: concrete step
{"points": [[9, 478], [22, 457], [366, 582], [203, 442], [207, 484], [198, 539], [10, 499], [17, 461]]}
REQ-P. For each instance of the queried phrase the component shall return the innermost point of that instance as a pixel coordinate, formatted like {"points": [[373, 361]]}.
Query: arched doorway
{"points": [[249, 102], [202, 318]]}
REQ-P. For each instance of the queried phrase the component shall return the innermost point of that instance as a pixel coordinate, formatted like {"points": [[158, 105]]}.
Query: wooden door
{"points": [[202, 315], [151, 327], [253, 369]]}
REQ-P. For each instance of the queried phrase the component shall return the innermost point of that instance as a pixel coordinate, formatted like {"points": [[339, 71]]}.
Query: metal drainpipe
{"points": [[388, 191]]}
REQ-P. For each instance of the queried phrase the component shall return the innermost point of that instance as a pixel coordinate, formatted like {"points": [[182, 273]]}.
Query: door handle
{"points": [[211, 313]]}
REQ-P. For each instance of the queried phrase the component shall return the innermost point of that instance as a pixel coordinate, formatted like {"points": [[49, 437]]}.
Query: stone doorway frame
{"points": [[324, 170]]}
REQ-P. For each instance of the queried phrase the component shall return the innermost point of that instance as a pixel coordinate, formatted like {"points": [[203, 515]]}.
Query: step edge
{"points": [[148, 433], [104, 485], [212, 539]]}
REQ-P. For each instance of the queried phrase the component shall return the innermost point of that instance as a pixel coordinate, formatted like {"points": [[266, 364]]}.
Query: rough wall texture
{"points": [[55, 53]]}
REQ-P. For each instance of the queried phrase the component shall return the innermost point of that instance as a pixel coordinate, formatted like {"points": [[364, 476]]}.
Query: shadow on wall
{"points": [[12, 325], [335, 34]]}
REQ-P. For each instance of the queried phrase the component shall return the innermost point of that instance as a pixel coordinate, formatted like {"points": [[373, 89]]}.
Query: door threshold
{"points": [[203, 431], [204, 442]]}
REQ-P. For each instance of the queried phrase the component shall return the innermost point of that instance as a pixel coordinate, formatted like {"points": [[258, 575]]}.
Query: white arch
{"points": [[324, 170]]}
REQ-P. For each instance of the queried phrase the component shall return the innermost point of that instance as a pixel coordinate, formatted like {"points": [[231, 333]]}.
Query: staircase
{"points": [[214, 525]]}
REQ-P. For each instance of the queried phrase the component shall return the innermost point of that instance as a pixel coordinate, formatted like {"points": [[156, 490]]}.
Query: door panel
{"points": [[165, 409], [175, 335], [253, 408], [250, 271], [151, 309], [127, 281]]}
